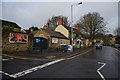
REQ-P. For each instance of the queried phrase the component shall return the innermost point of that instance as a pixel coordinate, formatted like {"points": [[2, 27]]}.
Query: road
{"points": [[82, 66]]}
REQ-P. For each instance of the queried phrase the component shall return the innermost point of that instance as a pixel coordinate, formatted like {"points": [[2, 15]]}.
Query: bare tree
{"points": [[117, 32], [33, 29], [92, 24], [53, 22]]}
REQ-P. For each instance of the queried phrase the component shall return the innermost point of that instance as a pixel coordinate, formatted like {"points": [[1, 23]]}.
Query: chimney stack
{"points": [[46, 26], [60, 22], [77, 27]]}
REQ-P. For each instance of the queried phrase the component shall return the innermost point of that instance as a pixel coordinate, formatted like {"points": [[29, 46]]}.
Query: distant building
{"points": [[112, 40]]}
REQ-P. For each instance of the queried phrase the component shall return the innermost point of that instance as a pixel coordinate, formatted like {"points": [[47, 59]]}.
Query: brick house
{"points": [[14, 40]]}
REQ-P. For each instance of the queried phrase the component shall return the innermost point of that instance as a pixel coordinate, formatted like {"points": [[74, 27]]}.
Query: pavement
{"points": [[45, 56]]}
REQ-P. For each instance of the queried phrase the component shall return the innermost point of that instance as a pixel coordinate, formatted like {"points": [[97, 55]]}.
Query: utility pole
{"points": [[72, 23]]}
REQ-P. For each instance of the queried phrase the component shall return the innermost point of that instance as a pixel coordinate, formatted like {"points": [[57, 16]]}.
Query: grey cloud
{"points": [[27, 14]]}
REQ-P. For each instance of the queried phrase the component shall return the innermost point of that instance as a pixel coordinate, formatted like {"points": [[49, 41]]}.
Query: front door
{"points": [[40, 43]]}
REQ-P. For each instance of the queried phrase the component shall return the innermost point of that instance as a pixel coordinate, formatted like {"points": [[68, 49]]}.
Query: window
{"points": [[62, 42], [37, 40], [54, 40], [41, 35]]}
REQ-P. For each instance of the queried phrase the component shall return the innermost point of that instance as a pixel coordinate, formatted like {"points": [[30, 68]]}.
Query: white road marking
{"points": [[98, 70], [117, 50], [25, 72], [7, 59], [19, 74], [7, 74]]}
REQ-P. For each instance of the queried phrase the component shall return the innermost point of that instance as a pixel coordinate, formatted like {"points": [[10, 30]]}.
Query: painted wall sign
{"points": [[18, 38]]}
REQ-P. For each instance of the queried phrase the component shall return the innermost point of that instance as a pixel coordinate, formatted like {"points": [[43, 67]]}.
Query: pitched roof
{"points": [[26, 30], [33, 32], [8, 23], [53, 33]]}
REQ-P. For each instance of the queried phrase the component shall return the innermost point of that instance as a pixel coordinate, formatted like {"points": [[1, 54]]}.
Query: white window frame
{"points": [[41, 35], [62, 42], [54, 40]]}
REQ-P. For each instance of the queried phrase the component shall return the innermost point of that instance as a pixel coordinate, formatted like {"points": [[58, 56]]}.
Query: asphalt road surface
{"points": [[82, 66]]}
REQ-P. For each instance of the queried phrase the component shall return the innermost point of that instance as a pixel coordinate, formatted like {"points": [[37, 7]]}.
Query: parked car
{"points": [[98, 45], [106, 44], [117, 45]]}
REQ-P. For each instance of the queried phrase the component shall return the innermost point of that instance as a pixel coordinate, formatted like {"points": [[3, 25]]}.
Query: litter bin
{"points": [[66, 48]]}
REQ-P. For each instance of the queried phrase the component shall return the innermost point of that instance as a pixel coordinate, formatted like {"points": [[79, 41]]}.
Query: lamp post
{"points": [[72, 21]]}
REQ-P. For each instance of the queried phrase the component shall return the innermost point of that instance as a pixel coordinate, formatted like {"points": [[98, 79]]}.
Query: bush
{"points": [[7, 28]]}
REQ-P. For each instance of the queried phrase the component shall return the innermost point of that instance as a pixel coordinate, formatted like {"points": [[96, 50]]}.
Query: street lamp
{"points": [[72, 21]]}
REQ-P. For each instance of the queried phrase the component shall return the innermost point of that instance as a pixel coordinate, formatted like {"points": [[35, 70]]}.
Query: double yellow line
{"points": [[24, 58], [65, 58], [79, 54]]}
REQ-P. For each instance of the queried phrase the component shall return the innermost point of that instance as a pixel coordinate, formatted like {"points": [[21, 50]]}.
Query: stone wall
{"points": [[13, 47]]}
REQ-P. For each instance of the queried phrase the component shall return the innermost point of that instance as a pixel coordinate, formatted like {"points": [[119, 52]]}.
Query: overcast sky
{"points": [[27, 14]]}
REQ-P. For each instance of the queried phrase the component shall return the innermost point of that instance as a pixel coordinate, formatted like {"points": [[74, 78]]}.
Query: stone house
{"points": [[15, 40], [54, 39], [76, 34], [57, 36], [113, 39], [85, 40]]}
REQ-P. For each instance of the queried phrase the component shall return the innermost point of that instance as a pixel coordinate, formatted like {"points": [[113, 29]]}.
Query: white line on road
{"points": [[7, 59], [98, 70], [19, 74], [117, 50], [7, 74], [25, 72]]}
